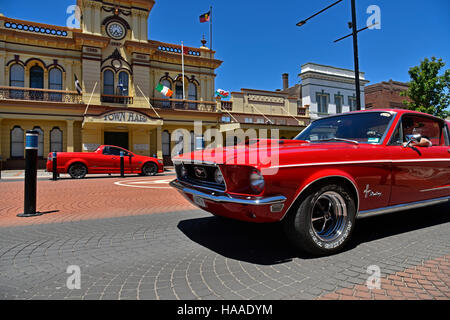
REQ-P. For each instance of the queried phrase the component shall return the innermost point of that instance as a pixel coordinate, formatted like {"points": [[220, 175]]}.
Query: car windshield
{"points": [[363, 127]]}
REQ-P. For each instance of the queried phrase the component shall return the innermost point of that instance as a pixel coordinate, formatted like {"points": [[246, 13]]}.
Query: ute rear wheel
{"points": [[324, 220], [77, 171], [149, 169]]}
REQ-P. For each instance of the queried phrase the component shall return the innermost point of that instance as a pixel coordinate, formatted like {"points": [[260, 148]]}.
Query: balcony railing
{"points": [[117, 99], [227, 105], [177, 104], [33, 94]]}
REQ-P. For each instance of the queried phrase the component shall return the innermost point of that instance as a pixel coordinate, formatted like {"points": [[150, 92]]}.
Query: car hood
{"points": [[269, 153]]}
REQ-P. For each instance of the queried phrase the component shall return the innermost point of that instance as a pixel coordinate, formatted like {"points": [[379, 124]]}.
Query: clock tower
{"points": [[117, 19]]}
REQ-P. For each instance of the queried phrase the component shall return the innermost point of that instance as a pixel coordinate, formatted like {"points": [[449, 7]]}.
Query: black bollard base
{"points": [[36, 214]]}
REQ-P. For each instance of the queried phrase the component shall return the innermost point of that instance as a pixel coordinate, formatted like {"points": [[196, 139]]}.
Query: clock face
{"points": [[115, 30]]}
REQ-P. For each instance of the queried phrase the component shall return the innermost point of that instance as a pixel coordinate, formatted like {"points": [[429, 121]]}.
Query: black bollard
{"points": [[54, 169], [31, 157], [122, 164]]}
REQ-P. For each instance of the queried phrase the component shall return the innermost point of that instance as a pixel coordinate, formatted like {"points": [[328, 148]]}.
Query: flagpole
{"points": [[182, 67], [210, 32], [87, 106]]}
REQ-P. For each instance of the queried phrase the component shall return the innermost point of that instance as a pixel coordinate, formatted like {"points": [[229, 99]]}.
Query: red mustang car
{"points": [[338, 169], [106, 159]]}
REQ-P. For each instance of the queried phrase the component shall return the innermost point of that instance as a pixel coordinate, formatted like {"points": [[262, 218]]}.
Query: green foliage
{"points": [[429, 92]]}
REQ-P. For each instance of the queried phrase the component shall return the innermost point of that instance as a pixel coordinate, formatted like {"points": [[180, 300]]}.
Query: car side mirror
{"points": [[412, 138]]}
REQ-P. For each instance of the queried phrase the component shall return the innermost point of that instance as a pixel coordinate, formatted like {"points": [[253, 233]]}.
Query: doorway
{"points": [[119, 139]]}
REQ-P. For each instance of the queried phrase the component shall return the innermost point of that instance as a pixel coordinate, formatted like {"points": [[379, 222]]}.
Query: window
{"points": [[16, 79], [338, 100], [226, 119], [108, 82], [166, 143], [260, 120], [16, 76], [192, 95], [178, 90], [322, 102], [40, 141], [122, 86], [36, 81], [55, 83], [56, 140], [427, 127], [113, 151], [281, 121], [17, 144], [248, 120], [352, 103]]}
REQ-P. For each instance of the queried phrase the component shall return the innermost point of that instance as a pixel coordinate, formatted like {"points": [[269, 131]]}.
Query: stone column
{"points": [[96, 21], [159, 153], [70, 143]]}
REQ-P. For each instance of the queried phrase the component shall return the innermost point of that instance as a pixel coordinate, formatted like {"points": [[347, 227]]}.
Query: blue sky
{"points": [[258, 40]]}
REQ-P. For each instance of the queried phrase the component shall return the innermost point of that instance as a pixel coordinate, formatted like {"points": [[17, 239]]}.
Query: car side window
{"points": [[106, 150], [427, 127], [116, 152]]}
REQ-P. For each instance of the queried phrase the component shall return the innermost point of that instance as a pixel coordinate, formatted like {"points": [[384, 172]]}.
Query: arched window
{"points": [[16, 79], [122, 86], [40, 141], [178, 90], [168, 84], [16, 76], [56, 140], [55, 83], [166, 143], [36, 81], [108, 82], [192, 95], [36, 77], [17, 147]]}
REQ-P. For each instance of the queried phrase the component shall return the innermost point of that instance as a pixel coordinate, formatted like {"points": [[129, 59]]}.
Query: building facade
{"points": [[118, 69], [386, 94], [328, 90], [260, 109]]}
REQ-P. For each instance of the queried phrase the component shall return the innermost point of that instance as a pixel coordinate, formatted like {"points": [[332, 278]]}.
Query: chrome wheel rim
{"points": [[329, 216], [77, 171], [149, 169]]}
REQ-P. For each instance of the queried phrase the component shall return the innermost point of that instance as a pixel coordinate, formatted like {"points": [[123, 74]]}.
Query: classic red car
{"points": [[105, 159], [340, 168]]}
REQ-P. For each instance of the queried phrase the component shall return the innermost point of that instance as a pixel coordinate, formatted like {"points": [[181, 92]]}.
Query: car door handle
{"points": [[113, 158]]}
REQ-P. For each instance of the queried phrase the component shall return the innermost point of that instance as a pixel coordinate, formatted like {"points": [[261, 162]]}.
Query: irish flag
{"points": [[164, 90]]}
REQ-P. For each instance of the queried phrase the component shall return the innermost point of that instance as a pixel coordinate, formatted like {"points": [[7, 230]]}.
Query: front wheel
{"points": [[324, 220], [149, 169], [77, 171]]}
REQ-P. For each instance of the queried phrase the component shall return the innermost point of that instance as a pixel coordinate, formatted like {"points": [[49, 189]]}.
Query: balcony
{"points": [[116, 99], [226, 105], [33, 94], [178, 104]]}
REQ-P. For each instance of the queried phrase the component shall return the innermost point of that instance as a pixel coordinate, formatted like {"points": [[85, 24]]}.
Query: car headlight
{"points": [[183, 171], [218, 176], [256, 181], [160, 161]]}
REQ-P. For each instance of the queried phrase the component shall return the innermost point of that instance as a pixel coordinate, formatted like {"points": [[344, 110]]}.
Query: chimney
{"points": [[285, 77]]}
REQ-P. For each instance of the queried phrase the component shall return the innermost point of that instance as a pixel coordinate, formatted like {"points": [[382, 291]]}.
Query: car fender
{"points": [[321, 175], [72, 161]]}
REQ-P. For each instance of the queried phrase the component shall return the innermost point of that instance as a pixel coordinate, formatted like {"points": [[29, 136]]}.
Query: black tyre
{"points": [[149, 169], [77, 171], [324, 220]]}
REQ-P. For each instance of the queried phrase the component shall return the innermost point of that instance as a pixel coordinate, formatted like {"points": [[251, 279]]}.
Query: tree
{"points": [[429, 92]]}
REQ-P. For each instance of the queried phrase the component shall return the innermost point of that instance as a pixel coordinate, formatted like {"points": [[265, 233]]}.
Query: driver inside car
{"points": [[410, 129]]}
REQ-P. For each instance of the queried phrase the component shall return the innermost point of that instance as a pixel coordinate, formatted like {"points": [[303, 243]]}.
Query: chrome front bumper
{"points": [[219, 196]]}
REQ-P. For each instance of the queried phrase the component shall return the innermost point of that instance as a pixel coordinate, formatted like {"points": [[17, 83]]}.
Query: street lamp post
{"points": [[355, 45]]}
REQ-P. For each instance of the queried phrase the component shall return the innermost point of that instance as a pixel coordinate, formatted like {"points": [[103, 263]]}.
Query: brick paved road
{"points": [[126, 251]]}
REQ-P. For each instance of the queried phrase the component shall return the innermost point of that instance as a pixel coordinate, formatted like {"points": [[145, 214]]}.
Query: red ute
{"points": [[338, 169], [106, 159]]}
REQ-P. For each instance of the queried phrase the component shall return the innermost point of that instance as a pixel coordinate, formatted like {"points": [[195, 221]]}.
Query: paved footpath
{"points": [[135, 238]]}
